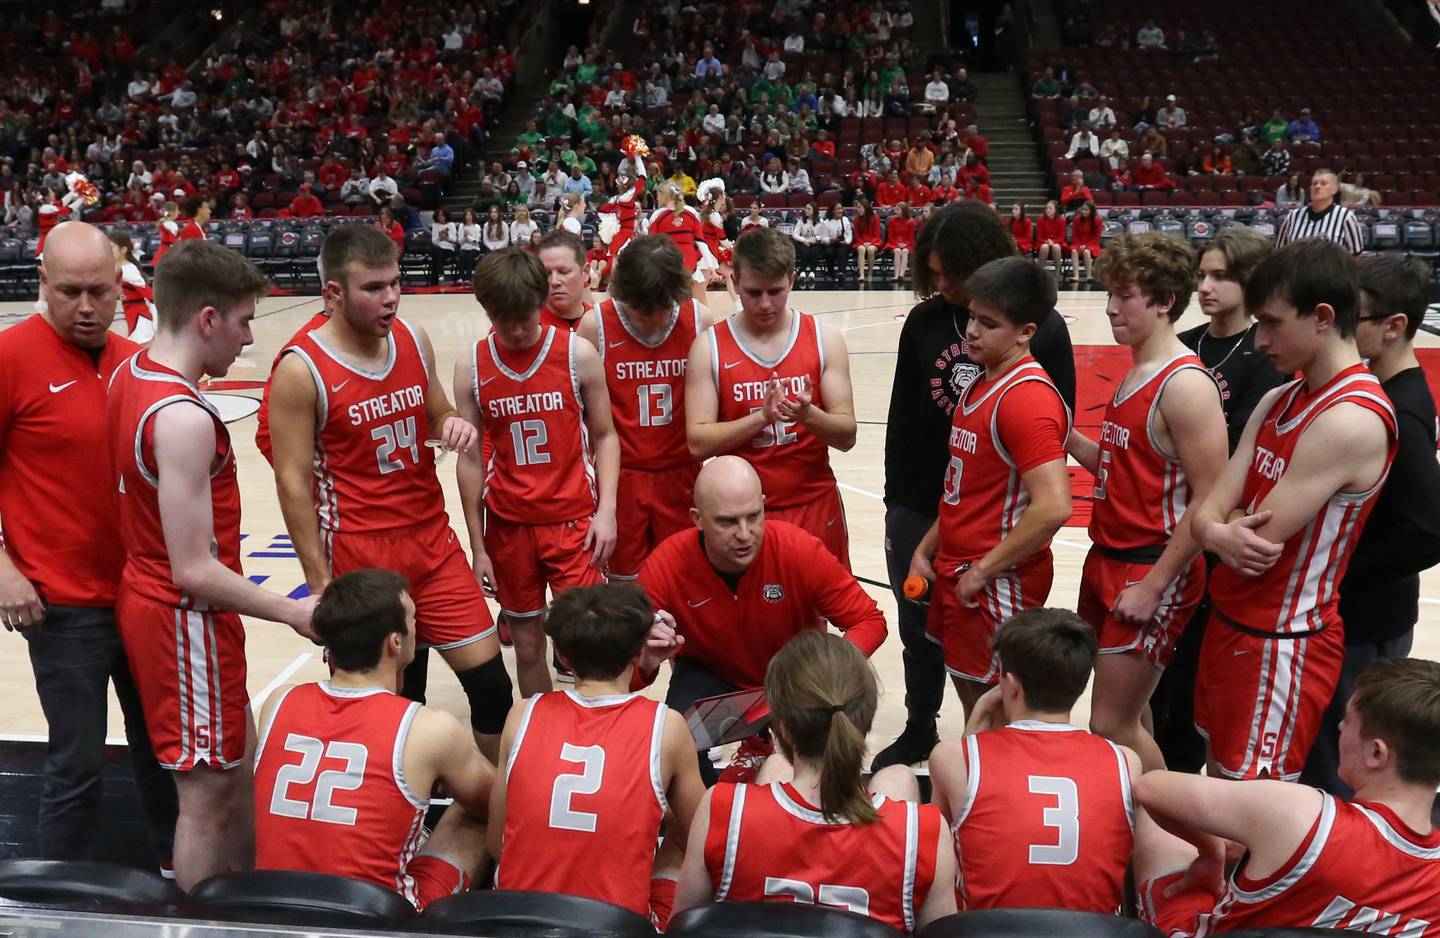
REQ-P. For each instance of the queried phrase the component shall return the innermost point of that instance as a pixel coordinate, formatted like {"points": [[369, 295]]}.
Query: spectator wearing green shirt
{"points": [[531, 138], [557, 124], [1046, 86], [588, 71], [1274, 129]]}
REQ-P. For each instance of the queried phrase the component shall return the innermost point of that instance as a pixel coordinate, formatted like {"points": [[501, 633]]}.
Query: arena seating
{"points": [[533, 913], [78, 883], [279, 896]]}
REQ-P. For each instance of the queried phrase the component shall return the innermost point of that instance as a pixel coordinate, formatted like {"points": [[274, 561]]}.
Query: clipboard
{"points": [[728, 718]]}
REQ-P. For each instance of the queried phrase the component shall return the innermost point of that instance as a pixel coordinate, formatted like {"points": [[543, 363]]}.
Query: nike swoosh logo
{"points": [[1240, 651], [831, 522], [57, 388], [617, 344], [335, 388], [731, 364], [485, 381], [700, 603]]}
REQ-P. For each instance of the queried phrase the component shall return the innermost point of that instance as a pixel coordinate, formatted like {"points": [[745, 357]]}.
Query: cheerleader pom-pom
{"points": [[635, 147], [707, 189], [609, 227]]}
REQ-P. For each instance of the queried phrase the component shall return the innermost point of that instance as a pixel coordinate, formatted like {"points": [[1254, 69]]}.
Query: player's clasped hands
{"points": [[20, 606], [1242, 549], [792, 409]]}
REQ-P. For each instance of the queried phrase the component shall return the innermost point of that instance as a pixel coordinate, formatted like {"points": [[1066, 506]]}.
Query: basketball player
{"points": [[643, 333], [772, 384], [1226, 347], [353, 407], [823, 838], [1284, 517], [62, 556], [1311, 860], [1380, 595], [634, 754], [1161, 446], [183, 593], [344, 767], [1042, 811], [563, 255], [1006, 489], [744, 584], [548, 487]]}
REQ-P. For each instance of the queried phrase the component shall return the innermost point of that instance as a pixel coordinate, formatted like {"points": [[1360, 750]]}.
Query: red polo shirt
{"points": [[792, 582], [57, 488]]}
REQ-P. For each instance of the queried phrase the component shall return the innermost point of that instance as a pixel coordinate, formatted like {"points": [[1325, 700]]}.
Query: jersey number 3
{"points": [[586, 782], [1063, 817], [321, 806]]}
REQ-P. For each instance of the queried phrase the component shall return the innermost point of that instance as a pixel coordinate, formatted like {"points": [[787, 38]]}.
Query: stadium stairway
{"points": [[1016, 173], [499, 140]]}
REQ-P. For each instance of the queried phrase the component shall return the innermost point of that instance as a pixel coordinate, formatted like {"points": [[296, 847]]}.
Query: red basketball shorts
{"points": [[1259, 700], [430, 876], [1101, 583], [189, 668], [825, 518], [530, 557], [967, 634], [450, 608], [1177, 914], [650, 506]]}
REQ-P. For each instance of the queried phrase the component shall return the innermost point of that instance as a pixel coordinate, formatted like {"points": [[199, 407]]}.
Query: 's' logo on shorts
{"points": [[773, 592]]}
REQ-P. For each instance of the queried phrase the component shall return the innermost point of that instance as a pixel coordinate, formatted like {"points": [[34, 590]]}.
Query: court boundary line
{"points": [[285, 674]]}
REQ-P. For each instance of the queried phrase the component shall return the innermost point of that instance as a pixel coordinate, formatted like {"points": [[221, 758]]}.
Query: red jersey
{"points": [[262, 428], [625, 207], [373, 471], [1298, 593], [1050, 229], [1359, 869], [1022, 230], [647, 385], [1141, 491], [766, 843], [138, 390], [540, 469], [792, 582], [548, 317], [793, 463], [900, 234], [61, 525], [330, 789], [1048, 820], [682, 227], [1000, 430], [137, 298], [583, 779]]}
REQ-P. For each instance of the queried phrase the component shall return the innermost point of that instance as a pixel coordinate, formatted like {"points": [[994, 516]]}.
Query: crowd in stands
{"points": [[309, 110]]}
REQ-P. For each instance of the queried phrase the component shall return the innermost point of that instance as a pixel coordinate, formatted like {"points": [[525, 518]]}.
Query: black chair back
{"points": [[775, 920], [283, 896], [63, 881], [1036, 923], [501, 913]]}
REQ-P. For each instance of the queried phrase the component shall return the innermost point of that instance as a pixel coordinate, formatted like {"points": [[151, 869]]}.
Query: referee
{"points": [[1323, 218]]}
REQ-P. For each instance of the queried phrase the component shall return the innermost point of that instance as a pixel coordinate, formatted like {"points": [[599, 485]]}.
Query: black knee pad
{"points": [[488, 688]]}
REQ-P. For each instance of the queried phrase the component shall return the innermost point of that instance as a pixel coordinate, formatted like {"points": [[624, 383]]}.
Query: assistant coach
{"points": [[62, 558], [739, 588]]}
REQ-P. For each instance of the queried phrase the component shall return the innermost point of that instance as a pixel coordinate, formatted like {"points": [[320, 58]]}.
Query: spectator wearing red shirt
{"points": [[980, 192], [1021, 229], [305, 205], [891, 192], [900, 240], [228, 178], [972, 169], [867, 239], [332, 175], [918, 193], [823, 146], [386, 222], [1084, 239], [1050, 240], [740, 587], [1075, 193], [1148, 174], [975, 142]]}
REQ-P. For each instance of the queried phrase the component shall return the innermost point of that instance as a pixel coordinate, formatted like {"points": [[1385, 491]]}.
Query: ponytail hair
{"points": [[823, 693]]}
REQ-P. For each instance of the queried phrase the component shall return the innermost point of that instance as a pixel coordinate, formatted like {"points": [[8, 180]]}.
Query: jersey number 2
{"points": [[321, 807], [586, 782], [1063, 816]]}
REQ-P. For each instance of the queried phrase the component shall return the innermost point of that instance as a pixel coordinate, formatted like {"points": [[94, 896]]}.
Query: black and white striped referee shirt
{"points": [[1337, 223]]}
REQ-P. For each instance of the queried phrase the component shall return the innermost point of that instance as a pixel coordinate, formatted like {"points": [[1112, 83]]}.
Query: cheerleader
{"points": [[1084, 240], [681, 224], [714, 206], [137, 299], [1050, 236], [868, 239], [900, 240], [1021, 229], [625, 207], [572, 213]]}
